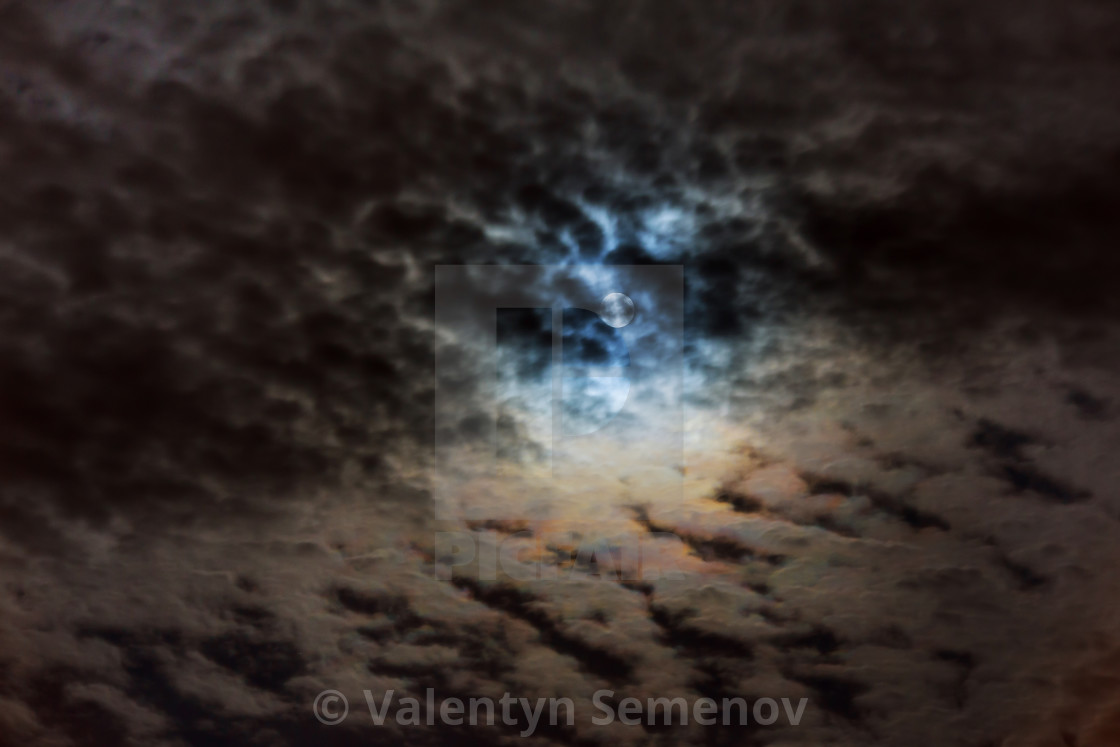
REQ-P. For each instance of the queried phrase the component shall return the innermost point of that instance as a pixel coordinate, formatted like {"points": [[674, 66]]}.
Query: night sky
{"points": [[873, 253]]}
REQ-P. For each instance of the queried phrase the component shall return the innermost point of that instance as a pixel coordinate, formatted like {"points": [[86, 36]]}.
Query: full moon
{"points": [[618, 309]]}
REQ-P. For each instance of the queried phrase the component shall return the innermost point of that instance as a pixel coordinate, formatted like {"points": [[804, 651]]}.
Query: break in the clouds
{"points": [[219, 228]]}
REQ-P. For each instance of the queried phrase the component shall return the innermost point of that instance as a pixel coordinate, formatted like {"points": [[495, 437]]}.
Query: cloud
{"points": [[216, 359]]}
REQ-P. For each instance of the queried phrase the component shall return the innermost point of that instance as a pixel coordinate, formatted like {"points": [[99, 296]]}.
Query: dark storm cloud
{"points": [[392, 123]]}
